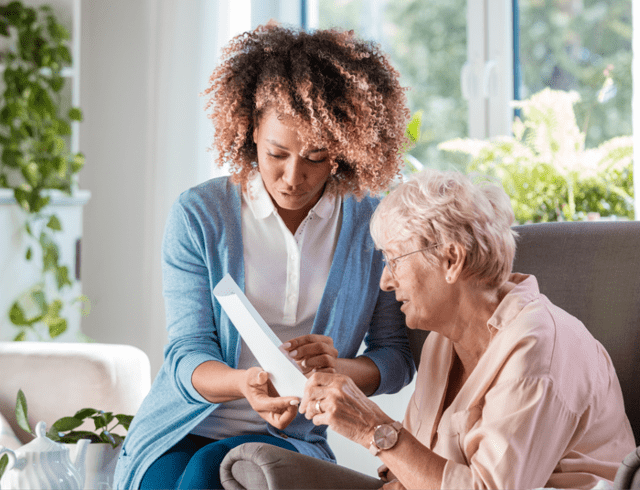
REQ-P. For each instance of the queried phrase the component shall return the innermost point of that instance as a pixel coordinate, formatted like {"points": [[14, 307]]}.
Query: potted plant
{"points": [[36, 169], [546, 169], [102, 453]]}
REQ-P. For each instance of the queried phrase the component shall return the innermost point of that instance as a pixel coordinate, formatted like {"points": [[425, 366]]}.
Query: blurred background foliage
{"points": [[546, 169], [570, 45]]}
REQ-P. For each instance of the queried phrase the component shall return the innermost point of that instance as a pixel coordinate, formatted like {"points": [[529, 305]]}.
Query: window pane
{"points": [[426, 41], [578, 45]]}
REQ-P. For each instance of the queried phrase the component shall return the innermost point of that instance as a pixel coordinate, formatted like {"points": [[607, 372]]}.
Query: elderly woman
{"points": [[512, 391]]}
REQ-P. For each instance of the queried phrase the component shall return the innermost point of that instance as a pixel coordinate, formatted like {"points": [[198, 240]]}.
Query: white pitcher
{"points": [[44, 465]]}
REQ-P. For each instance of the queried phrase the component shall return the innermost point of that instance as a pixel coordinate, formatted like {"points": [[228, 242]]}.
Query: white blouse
{"points": [[285, 277]]}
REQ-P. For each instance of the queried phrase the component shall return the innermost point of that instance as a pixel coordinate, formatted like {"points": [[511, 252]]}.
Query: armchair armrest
{"points": [[628, 475], [262, 466]]}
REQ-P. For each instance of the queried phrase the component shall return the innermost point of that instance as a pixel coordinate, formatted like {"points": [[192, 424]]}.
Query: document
{"points": [[267, 348]]}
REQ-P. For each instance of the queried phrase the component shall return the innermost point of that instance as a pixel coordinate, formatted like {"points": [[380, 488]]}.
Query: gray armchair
{"points": [[590, 269]]}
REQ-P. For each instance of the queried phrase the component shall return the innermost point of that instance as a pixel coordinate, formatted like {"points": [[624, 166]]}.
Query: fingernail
{"points": [[294, 402], [286, 345], [293, 353], [304, 363]]}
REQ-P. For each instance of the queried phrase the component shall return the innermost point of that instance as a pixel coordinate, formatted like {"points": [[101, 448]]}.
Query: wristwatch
{"points": [[385, 437]]}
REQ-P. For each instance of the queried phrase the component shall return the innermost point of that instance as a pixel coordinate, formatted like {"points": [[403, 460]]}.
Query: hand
{"points": [[393, 485], [313, 353], [385, 474], [264, 399], [335, 400]]}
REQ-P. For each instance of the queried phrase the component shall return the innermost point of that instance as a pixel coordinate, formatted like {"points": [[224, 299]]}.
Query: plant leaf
{"points": [[75, 436], [65, 424], [84, 413], [75, 114], [102, 419], [21, 413], [125, 420], [413, 128], [53, 434], [62, 276], [57, 327], [4, 461], [54, 223], [17, 316]]}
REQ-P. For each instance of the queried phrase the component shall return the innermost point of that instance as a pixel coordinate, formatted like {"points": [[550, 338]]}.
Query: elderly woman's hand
{"points": [[313, 352], [264, 399], [335, 400], [393, 485]]}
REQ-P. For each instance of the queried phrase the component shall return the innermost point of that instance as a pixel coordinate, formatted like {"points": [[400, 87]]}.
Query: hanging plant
{"points": [[35, 159]]}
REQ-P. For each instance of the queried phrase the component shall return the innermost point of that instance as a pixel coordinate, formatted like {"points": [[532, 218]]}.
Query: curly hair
{"points": [[443, 207], [343, 91]]}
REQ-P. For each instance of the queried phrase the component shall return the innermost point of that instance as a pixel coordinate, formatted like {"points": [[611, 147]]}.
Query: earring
{"points": [[448, 278]]}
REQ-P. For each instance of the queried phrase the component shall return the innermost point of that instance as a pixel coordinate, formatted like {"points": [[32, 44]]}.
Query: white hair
{"points": [[436, 207]]}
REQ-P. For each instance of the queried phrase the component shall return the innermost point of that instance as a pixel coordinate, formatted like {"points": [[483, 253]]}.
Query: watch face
{"points": [[385, 436]]}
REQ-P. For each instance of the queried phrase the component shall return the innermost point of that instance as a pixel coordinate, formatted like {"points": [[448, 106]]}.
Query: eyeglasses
{"points": [[391, 263]]}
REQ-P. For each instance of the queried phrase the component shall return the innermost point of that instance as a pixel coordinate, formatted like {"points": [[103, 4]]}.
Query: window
{"points": [[581, 45], [464, 70]]}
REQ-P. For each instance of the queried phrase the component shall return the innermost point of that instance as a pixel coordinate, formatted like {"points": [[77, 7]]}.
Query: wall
{"points": [[143, 65]]}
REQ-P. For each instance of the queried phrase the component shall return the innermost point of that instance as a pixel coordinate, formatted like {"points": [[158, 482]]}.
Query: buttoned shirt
{"points": [[285, 277], [542, 408]]}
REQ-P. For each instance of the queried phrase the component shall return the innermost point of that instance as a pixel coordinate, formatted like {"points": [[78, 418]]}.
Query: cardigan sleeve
{"points": [[387, 345], [193, 336]]}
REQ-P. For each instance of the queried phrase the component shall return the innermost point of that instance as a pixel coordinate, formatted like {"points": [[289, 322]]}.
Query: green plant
{"points": [[546, 169], [63, 429], [34, 137]]}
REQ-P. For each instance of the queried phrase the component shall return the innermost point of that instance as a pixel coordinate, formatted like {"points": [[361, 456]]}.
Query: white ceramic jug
{"points": [[44, 465]]}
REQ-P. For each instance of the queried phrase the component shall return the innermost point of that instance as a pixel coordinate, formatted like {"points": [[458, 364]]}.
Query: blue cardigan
{"points": [[203, 242]]}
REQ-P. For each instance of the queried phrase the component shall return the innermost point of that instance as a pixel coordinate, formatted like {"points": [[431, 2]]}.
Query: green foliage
{"points": [[34, 136], [546, 169], [577, 46], [563, 46], [63, 429]]}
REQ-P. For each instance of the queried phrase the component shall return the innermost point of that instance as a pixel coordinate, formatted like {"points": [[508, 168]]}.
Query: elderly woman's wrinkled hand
{"points": [[313, 353], [335, 400], [265, 400]]}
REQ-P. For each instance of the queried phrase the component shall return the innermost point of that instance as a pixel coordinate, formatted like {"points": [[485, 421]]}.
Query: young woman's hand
{"points": [[313, 353], [279, 411]]}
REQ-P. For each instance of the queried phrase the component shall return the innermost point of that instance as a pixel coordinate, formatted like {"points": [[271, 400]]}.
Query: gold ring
{"points": [[318, 409]]}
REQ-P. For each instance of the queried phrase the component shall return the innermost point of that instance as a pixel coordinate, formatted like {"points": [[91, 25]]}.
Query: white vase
{"points": [[100, 464]]}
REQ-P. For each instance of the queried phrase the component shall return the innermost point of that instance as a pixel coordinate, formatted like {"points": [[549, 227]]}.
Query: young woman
{"points": [[309, 124]]}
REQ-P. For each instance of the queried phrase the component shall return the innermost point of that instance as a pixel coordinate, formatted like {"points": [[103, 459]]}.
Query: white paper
{"points": [[283, 371]]}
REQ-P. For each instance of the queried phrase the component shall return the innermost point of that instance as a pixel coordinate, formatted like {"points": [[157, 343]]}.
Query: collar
{"points": [[257, 197], [525, 291], [261, 205]]}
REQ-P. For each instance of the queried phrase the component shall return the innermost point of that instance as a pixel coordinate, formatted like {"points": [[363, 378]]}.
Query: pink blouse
{"points": [[543, 407]]}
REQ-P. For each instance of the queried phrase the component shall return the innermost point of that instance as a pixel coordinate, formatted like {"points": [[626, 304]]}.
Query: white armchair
{"points": [[60, 378]]}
